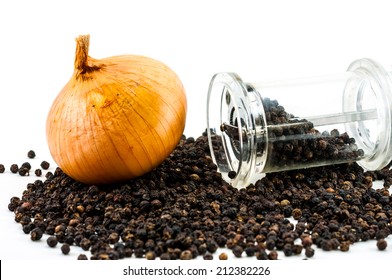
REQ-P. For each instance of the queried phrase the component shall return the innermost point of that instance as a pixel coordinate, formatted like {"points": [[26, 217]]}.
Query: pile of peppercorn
{"points": [[184, 209], [293, 140]]}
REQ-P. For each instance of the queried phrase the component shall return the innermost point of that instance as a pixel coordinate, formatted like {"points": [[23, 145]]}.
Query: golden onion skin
{"points": [[117, 118]]}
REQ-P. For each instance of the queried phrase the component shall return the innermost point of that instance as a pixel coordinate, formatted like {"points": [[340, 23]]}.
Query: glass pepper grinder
{"points": [[257, 128]]}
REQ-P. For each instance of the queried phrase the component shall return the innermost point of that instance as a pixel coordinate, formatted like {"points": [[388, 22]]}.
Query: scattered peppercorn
{"points": [[223, 256], [45, 165], [2, 168], [14, 168], [52, 241], [309, 252], [65, 249], [38, 172], [31, 154], [23, 171], [26, 165], [381, 244], [82, 257]]}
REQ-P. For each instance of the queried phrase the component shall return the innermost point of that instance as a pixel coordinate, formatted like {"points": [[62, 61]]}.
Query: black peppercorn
{"points": [[381, 244], [232, 174], [270, 244], [307, 241], [261, 255], [23, 171], [237, 251], [297, 249], [68, 239], [52, 241], [49, 175], [273, 255], [26, 165], [212, 246], [113, 238], [344, 246], [150, 255], [128, 252], [85, 244], [139, 252], [202, 249], [28, 228], [31, 154], [14, 168], [38, 172], [309, 252], [2, 168], [36, 234], [250, 250], [65, 249], [223, 256], [165, 256], [186, 255], [296, 213], [45, 165], [156, 204], [288, 249], [82, 257]]}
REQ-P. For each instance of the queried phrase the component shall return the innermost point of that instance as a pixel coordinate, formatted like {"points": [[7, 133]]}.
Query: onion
{"points": [[117, 118]]}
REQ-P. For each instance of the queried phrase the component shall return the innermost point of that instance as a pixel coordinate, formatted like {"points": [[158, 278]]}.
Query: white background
{"points": [[260, 40]]}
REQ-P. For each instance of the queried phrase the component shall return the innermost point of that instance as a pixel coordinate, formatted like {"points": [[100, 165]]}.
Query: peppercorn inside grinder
{"points": [[257, 128]]}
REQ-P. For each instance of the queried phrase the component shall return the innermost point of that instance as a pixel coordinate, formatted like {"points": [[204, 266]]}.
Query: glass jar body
{"points": [[256, 128]]}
